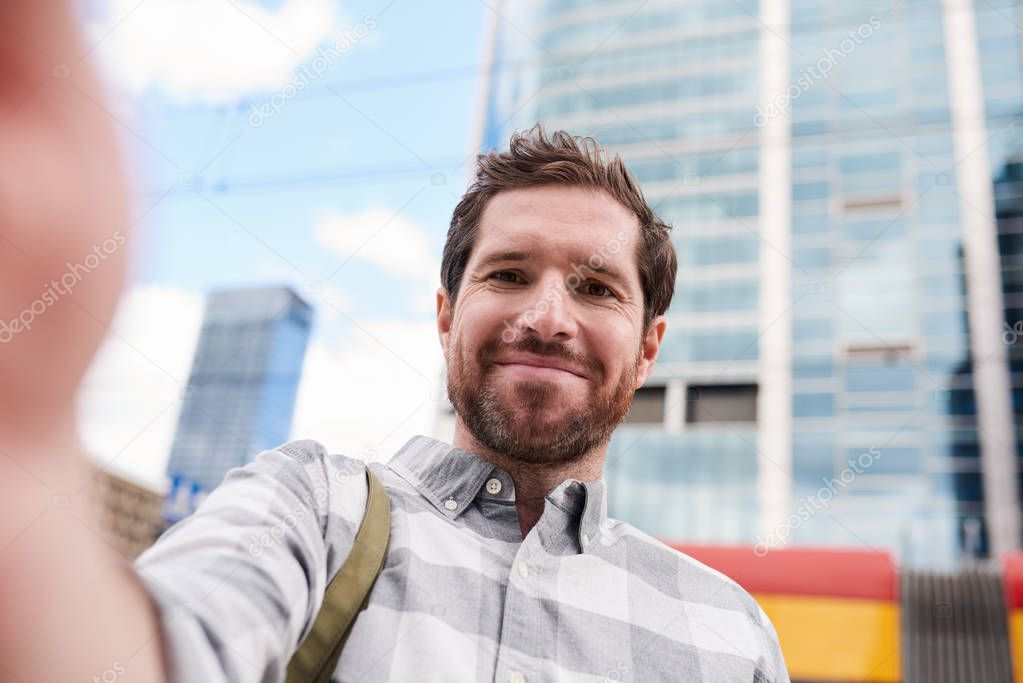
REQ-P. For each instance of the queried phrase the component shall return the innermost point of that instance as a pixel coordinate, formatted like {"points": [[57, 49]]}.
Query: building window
{"points": [[647, 406], [717, 403]]}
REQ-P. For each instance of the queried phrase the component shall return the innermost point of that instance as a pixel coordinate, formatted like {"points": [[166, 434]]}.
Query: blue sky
{"points": [[360, 170]]}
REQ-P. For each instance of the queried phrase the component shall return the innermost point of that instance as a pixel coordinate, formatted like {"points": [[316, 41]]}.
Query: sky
{"points": [[310, 143]]}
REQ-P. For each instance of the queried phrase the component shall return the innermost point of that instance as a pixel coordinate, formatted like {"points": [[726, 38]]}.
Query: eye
{"points": [[506, 276], [597, 289]]}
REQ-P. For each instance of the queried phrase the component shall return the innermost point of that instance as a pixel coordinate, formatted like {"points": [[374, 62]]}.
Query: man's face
{"points": [[545, 347]]}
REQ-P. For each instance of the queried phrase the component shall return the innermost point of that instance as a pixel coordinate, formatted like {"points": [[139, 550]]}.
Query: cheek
{"points": [[616, 343], [487, 308], [468, 334], [479, 322]]}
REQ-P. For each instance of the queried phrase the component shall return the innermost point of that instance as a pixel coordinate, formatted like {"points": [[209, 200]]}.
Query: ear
{"points": [[443, 318], [651, 347]]}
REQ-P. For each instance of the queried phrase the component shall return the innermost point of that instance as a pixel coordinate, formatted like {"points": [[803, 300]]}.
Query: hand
{"points": [[63, 220]]}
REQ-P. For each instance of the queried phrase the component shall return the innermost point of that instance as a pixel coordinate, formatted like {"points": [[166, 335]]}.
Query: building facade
{"points": [[836, 368], [241, 391], [131, 514]]}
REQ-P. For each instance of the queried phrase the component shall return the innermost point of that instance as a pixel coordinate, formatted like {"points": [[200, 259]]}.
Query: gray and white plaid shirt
{"points": [[462, 596]]}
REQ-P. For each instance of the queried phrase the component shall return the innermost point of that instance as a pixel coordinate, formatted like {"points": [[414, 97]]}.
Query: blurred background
{"points": [[843, 367]]}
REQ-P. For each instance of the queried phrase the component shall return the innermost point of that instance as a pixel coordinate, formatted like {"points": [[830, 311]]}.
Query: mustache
{"points": [[493, 347]]}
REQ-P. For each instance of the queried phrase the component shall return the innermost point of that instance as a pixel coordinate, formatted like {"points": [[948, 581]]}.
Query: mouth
{"points": [[540, 367]]}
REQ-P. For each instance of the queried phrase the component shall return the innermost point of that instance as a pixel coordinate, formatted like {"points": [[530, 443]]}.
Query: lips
{"points": [[541, 362]]}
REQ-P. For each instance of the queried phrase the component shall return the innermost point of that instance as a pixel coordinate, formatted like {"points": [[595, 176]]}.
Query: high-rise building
{"points": [[835, 369], [241, 391]]}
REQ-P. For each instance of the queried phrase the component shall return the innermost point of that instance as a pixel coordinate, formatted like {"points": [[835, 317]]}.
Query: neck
{"points": [[533, 481]]}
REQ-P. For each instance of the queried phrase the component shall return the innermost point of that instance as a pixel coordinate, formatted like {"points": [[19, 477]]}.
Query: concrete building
{"points": [[131, 513]]}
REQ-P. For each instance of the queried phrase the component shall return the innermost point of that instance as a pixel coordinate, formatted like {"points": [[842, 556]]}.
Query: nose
{"points": [[551, 313]]}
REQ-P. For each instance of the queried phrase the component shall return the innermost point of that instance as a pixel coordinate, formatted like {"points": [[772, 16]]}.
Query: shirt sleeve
{"points": [[774, 655], [238, 583]]}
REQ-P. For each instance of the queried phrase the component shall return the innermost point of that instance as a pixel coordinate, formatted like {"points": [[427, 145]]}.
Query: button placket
{"points": [[519, 625]]}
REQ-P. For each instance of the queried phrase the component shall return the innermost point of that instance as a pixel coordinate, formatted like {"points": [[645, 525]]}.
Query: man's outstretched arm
{"points": [[225, 595], [239, 582], [70, 607]]}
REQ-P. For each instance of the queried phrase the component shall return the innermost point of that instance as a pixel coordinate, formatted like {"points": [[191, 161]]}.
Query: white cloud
{"points": [[213, 50], [378, 236], [373, 393], [334, 300], [131, 395]]}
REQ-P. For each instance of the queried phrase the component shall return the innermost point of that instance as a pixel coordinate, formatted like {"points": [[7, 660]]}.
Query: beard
{"points": [[520, 419]]}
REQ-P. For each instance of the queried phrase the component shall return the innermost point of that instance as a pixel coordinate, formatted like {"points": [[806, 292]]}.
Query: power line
{"points": [[322, 90], [436, 173], [352, 175]]}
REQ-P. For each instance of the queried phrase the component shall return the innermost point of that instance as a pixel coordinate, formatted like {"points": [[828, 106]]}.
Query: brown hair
{"points": [[534, 159]]}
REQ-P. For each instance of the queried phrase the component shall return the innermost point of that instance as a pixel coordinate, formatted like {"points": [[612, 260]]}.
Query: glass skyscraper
{"points": [[837, 367], [241, 391]]}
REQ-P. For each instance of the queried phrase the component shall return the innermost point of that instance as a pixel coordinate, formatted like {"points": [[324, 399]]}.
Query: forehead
{"points": [[575, 222]]}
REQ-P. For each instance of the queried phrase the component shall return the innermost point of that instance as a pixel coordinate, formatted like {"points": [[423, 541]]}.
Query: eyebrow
{"points": [[519, 255]]}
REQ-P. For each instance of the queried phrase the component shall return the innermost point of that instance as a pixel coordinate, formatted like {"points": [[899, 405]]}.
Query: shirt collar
{"points": [[452, 478]]}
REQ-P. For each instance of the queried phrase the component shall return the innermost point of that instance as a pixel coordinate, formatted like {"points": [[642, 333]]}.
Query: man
{"points": [[502, 563]]}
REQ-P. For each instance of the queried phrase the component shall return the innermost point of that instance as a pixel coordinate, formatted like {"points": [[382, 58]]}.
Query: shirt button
{"points": [[523, 570], [450, 504], [494, 486], [516, 677]]}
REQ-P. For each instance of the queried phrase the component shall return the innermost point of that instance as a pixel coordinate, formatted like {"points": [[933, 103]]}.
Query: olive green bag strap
{"points": [[315, 660]]}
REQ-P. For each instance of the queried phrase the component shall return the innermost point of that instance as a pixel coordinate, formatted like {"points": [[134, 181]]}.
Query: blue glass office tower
{"points": [[241, 391], [836, 368]]}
